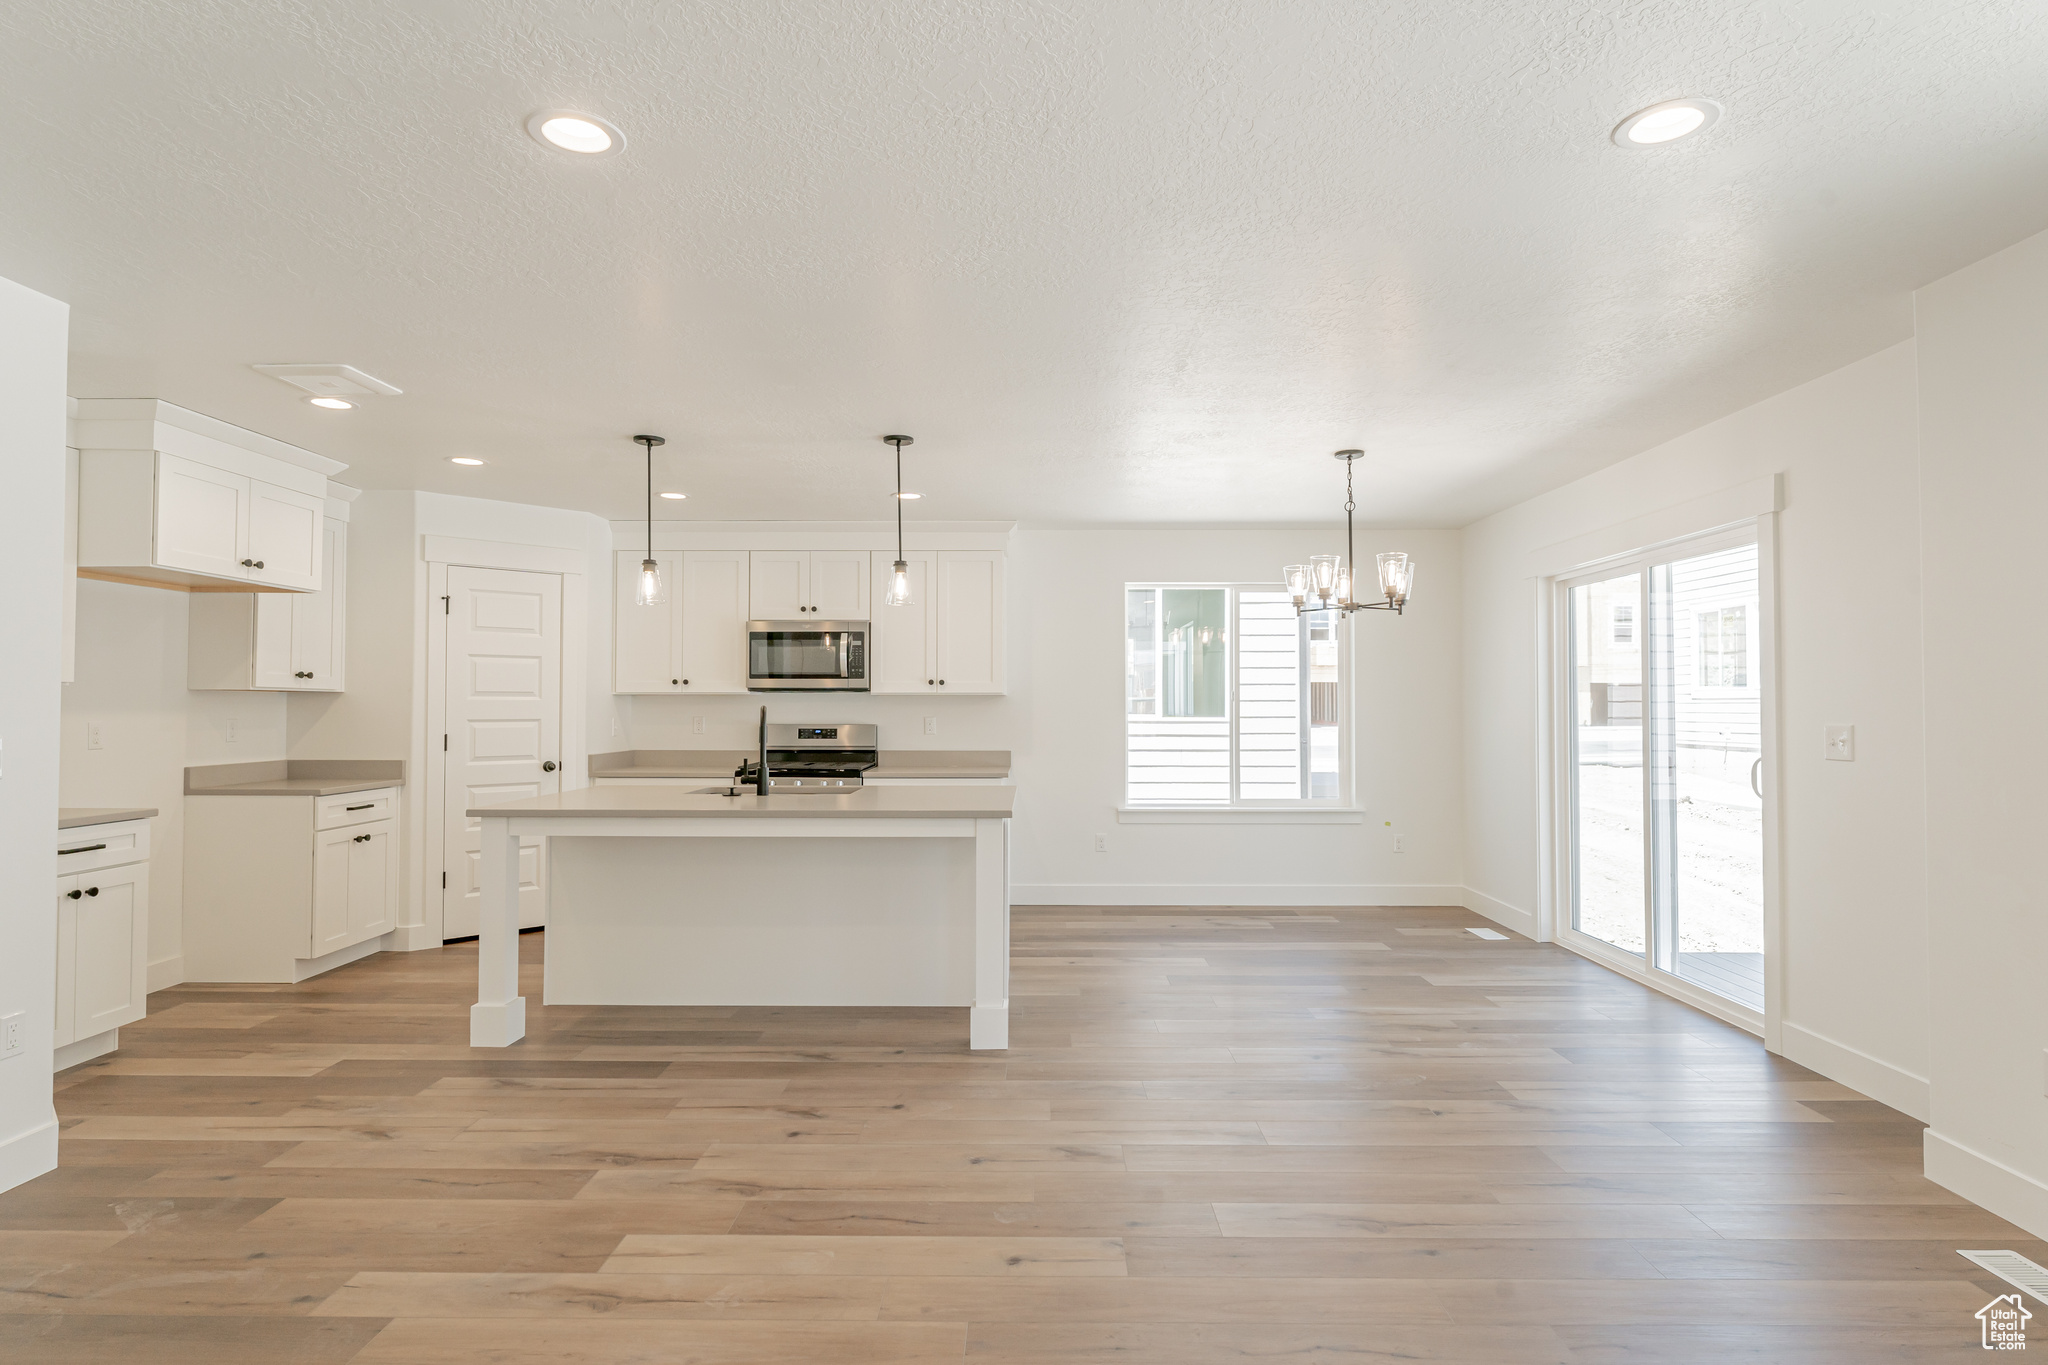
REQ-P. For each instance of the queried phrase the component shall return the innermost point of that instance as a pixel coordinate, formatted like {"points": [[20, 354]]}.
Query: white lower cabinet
{"points": [[102, 937], [281, 888]]}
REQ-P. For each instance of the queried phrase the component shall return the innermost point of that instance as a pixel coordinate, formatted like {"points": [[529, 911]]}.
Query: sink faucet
{"points": [[761, 773]]}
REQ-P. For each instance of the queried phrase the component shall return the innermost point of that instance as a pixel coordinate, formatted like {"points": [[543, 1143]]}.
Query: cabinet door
{"points": [[112, 949], [839, 585], [904, 652], [316, 620], [331, 849], [68, 895], [284, 536], [202, 518], [970, 616], [272, 643], [714, 621], [779, 584], [372, 881], [645, 646]]}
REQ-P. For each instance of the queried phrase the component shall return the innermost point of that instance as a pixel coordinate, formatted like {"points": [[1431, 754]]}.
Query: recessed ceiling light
{"points": [[463, 459], [909, 497], [338, 404], [677, 496], [1663, 124], [568, 130]]}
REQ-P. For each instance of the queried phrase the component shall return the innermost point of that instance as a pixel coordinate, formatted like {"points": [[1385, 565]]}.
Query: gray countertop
{"points": [[295, 777], [864, 803], [76, 817], [719, 763]]}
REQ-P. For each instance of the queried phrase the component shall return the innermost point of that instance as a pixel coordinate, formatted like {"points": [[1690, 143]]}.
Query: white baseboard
{"points": [[1319, 893], [412, 938], [84, 1050], [167, 972], [25, 1156], [306, 968], [1883, 1082], [1987, 1183], [1499, 911]]}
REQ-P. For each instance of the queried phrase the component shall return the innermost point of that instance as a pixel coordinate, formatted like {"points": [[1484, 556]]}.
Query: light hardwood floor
{"points": [[1219, 1135]]}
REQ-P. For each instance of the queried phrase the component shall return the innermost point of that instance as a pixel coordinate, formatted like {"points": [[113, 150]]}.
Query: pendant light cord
{"points": [[1350, 550], [899, 500], [650, 499]]}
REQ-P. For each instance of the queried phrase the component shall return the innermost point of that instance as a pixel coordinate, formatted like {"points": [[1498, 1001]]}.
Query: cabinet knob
{"points": [[942, 682], [548, 766], [92, 891], [73, 895], [252, 563], [361, 839], [686, 682]]}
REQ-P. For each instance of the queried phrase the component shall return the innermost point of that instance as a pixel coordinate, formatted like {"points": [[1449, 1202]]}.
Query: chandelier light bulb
{"points": [[651, 592], [899, 586]]}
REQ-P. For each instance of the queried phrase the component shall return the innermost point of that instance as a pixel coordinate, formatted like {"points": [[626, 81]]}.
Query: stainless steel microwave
{"points": [[807, 656]]}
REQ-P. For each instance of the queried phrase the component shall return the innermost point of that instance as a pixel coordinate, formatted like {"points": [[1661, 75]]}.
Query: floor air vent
{"points": [[2014, 1269], [1486, 933]]}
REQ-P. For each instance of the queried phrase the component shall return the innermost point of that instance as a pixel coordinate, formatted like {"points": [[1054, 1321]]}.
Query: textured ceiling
{"points": [[1124, 263]]}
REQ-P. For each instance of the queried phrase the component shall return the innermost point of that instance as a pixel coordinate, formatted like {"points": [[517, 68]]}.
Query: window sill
{"points": [[1238, 815]]}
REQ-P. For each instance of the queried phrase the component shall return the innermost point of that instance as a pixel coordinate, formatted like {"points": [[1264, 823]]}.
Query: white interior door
{"points": [[503, 689]]}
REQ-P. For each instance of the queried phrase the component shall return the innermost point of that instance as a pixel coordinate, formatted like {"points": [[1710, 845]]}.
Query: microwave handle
{"points": [[844, 636]]}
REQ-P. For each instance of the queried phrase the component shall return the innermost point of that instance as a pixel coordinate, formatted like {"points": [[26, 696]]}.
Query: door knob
{"points": [[73, 895], [548, 766], [92, 891]]}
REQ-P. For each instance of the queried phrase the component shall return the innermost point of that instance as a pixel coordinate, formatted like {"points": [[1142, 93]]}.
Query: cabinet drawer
{"points": [[354, 808], [93, 846]]}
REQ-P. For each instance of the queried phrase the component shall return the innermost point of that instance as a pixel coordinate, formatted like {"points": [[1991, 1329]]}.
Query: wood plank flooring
{"points": [[1219, 1135]]}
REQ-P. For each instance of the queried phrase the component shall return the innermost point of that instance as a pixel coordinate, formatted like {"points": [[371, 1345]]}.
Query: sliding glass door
{"points": [[1666, 754]]}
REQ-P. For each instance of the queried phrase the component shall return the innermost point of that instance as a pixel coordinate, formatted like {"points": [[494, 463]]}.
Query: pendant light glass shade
{"points": [[1297, 582], [898, 594], [651, 592], [1323, 574], [1397, 573]]}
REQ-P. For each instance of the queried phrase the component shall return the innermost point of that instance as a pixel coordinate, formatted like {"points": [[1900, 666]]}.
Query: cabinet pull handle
{"points": [[92, 891], [365, 806], [73, 895], [82, 848]]}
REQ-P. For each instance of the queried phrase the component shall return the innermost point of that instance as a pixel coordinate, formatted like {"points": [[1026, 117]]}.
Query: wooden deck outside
{"points": [[1258, 1135]]}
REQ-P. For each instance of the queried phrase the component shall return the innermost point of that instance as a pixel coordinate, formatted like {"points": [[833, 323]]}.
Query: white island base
{"points": [[881, 897]]}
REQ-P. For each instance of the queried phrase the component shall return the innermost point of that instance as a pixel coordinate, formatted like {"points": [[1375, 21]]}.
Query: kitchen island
{"points": [[882, 896]]}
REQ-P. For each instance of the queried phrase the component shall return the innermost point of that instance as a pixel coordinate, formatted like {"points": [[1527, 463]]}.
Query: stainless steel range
{"points": [[812, 758]]}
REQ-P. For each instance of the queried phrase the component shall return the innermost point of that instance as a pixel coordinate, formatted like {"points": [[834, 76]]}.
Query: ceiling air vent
{"points": [[331, 381], [2014, 1269]]}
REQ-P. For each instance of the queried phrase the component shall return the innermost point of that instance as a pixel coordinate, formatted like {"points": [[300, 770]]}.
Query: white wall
{"points": [[1983, 336], [1854, 843], [32, 358], [1063, 721], [131, 685]]}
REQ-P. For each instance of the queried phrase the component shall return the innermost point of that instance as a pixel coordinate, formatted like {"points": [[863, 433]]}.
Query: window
{"points": [[1230, 698], [1625, 625], [1724, 647]]}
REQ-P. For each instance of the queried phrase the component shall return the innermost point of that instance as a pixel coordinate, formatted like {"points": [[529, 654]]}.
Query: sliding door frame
{"points": [[1557, 755]]}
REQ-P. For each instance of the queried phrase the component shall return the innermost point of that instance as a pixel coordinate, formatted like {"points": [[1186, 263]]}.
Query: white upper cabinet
{"points": [[646, 641], [172, 497], [970, 627], [780, 589], [274, 641], [696, 641], [714, 629], [904, 657], [788, 585]]}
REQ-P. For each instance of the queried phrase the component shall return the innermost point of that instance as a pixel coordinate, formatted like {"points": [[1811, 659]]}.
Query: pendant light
{"points": [[1325, 583], [898, 594], [652, 592]]}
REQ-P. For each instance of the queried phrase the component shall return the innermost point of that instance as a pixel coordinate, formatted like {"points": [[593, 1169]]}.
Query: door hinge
{"points": [[444, 604], [444, 881], [444, 744]]}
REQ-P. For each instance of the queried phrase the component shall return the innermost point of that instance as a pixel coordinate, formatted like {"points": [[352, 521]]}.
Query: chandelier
{"points": [[1325, 583]]}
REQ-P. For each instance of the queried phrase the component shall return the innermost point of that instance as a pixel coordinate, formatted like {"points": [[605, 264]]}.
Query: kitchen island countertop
{"points": [[712, 764], [863, 803]]}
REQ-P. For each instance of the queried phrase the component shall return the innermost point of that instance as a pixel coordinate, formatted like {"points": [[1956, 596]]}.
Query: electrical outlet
{"points": [[92, 734], [1400, 843], [1102, 843], [234, 730], [10, 1033], [1841, 743], [615, 727], [696, 725], [931, 725]]}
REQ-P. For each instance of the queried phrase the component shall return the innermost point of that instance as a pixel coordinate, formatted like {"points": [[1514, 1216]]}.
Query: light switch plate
{"points": [[1842, 743]]}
